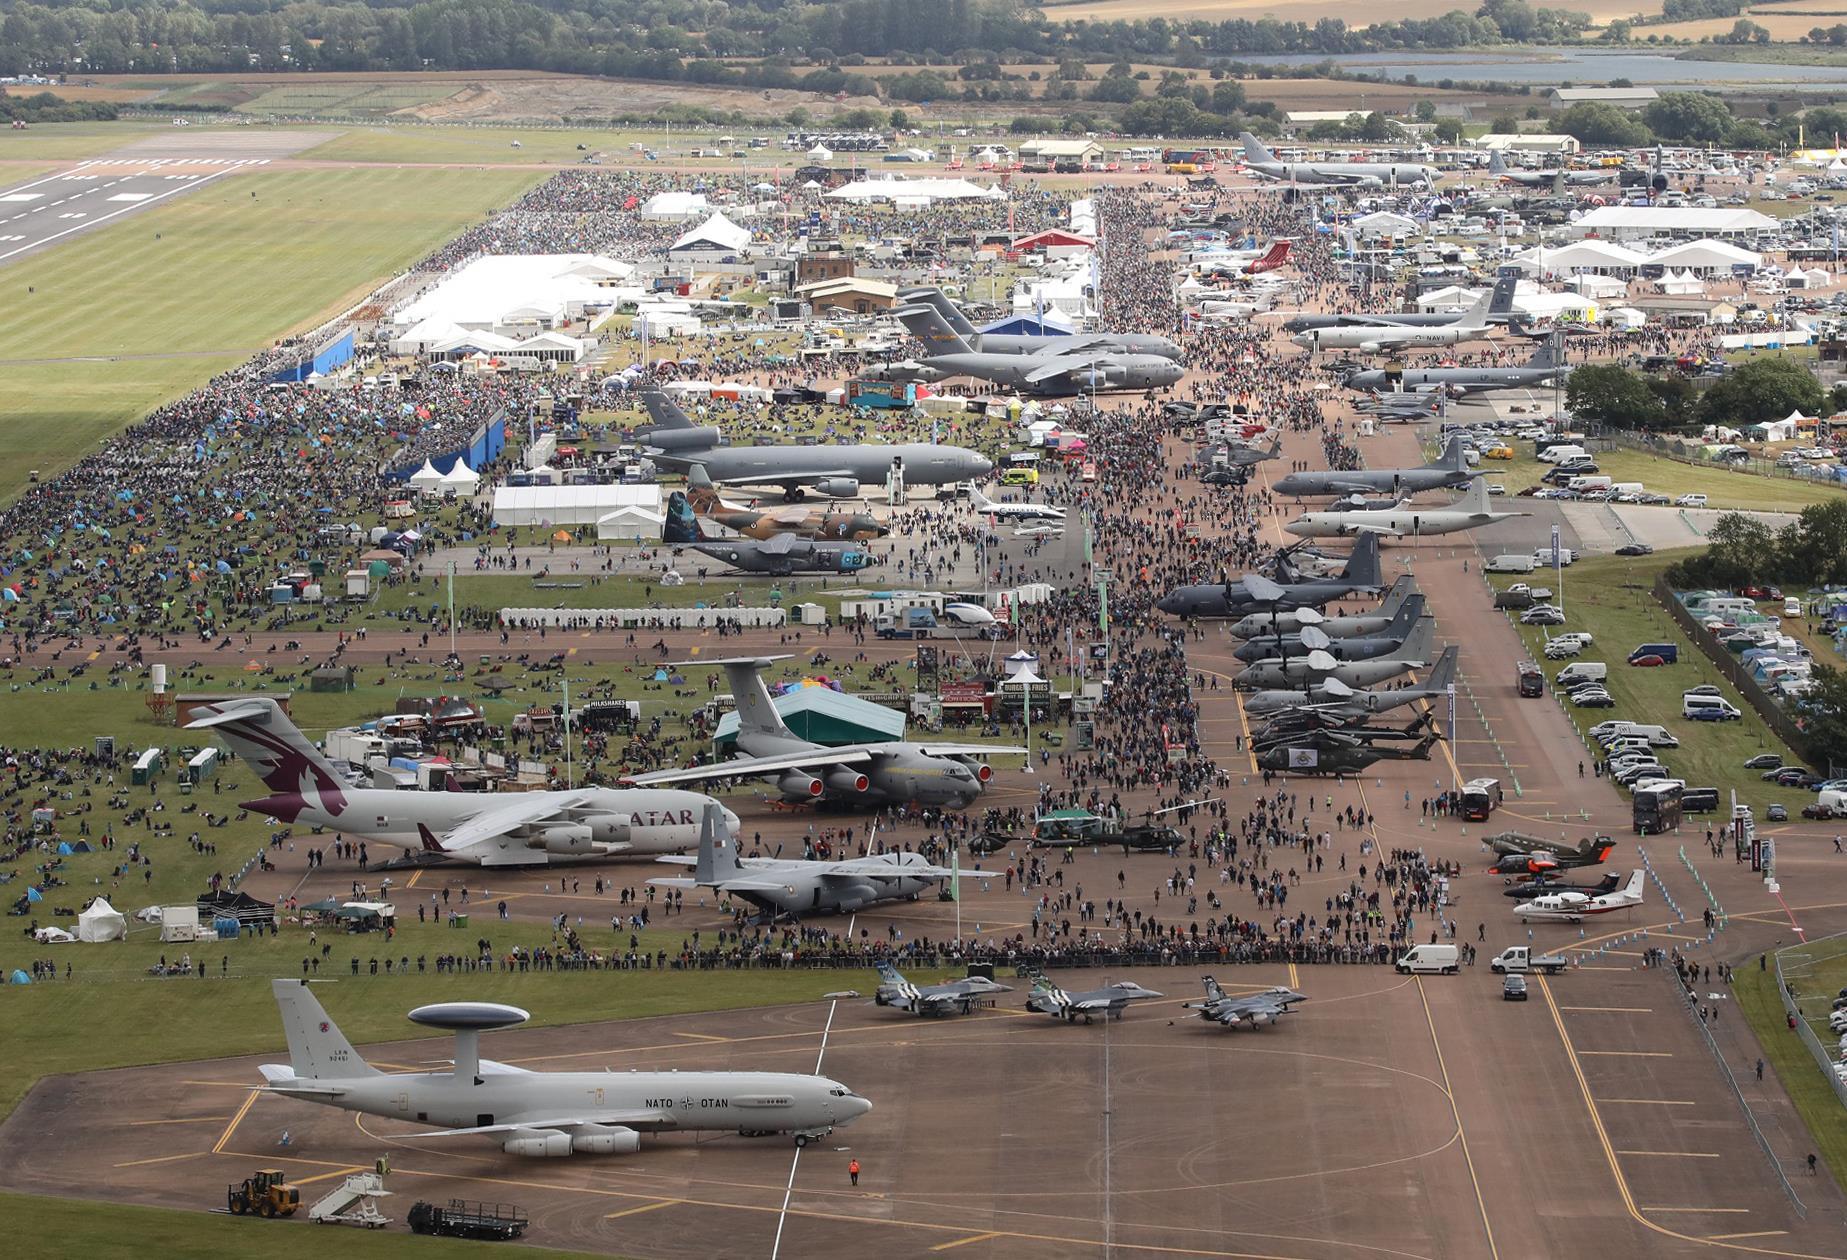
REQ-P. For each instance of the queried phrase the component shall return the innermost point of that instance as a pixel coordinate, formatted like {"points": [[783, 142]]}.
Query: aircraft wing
{"points": [[493, 823], [782, 545], [967, 750], [749, 767], [785, 479], [1384, 531], [1054, 368], [588, 1116], [878, 868]]}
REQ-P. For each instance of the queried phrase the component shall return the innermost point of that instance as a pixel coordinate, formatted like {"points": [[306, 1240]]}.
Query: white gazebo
{"points": [[426, 480]]}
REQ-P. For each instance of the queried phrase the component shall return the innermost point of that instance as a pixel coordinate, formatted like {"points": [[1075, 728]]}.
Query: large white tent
{"points": [[716, 234], [1681, 283], [675, 205], [426, 479], [1385, 223], [919, 191], [1594, 286], [1588, 255], [521, 293], [460, 479], [1643, 221], [101, 922], [640, 523], [1706, 255], [569, 505]]}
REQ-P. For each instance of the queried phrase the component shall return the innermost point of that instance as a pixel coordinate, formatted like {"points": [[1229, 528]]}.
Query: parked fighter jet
{"points": [[837, 470], [488, 828], [1236, 599], [1066, 372], [1471, 325], [1254, 1010], [1557, 179], [1450, 470], [1355, 647], [1405, 520], [1575, 907], [1110, 1001], [782, 887], [539, 1114], [1015, 343], [1260, 161], [819, 524], [1500, 306], [1316, 667], [932, 999], [781, 555], [1540, 370], [1336, 698], [933, 774]]}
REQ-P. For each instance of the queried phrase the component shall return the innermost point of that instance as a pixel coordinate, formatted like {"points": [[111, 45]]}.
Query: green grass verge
{"points": [[1611, 598], [288, 246], [71, 140], [106, 1231], [1724, 488], [1795, 1067], [552, 145]]}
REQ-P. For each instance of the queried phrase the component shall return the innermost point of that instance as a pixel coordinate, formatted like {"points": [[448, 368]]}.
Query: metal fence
{"points": [[1731, 1080], [1824, 1060]]}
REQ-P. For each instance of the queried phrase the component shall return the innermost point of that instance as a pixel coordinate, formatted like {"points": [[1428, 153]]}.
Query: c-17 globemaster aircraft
{"points": [[942, 775], [836, 470], [489, 828], [782, 887], [540, 1114]]}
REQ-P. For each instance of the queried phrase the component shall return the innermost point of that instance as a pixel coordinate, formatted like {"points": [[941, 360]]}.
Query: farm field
{"points": [[512, 146], [1354, 13], [292, 247], [1610, 597]]}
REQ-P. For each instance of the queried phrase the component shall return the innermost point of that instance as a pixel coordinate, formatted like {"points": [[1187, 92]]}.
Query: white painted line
{"points": [[20, 196], [131, 196], [80, 226]]}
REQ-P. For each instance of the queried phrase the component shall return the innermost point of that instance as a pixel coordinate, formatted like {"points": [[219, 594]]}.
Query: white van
{"points": [[1582, 484], [1627, 487], [1792, 607], [1559, 454], [1708, 709], [1434, 958], [1544, 556], [1582, 672], [1657, 736], [1512, 564]]}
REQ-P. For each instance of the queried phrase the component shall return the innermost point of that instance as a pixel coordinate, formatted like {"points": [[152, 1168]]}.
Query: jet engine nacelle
{"points": [[838, 487], [608, 828], [1101, 376], [538, 1144], [605, 1139], [569, 838], [685, 439], [847, 782], [799, 786]]}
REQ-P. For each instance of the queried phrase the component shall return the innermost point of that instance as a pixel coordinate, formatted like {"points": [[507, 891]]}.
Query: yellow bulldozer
{"points": [[266, 1194]]}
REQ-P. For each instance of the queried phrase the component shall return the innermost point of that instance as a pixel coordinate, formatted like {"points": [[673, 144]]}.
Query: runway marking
{"points": [[1650, 1102], [795, 1164], [1612, 1010], [963, 1242], [1762, 1233], [1625, 1054], [229, 1129], [131, 197], [137, 1124], [347, 1171], [1715, 1211], [702, 1036], [1673, 1154], [414, 877], [646, 1207], [102, 218], [1480, 1202], [162, 1159], [1609, 1150]]}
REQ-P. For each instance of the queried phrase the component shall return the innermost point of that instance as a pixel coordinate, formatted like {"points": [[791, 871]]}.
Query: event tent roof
{"points": [[1706, 256], [717, 232], [1669, 219], [1584, 256], [923, 190]]}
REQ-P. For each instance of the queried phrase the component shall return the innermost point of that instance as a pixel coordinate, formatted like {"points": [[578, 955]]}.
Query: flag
{"points": [[955, 878]]}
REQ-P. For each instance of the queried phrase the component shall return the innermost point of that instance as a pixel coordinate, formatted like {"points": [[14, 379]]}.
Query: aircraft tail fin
{"points": [[756, 713], [1452, 459], [1477, 315], [700, 492], [317, 1048], [951, 313], [1402, 589], [1632, 891], [1497, 165], [1362, 568], [681, 524], [665, 412], [1501, 300], [258, 731], [1406, 617], [1475, 498], [889, 974], [1254, 150], [1545, 355], [927, 324], [1213, 992], [1443, 673], [1418, 643], [718, 860], [1277, 256]]}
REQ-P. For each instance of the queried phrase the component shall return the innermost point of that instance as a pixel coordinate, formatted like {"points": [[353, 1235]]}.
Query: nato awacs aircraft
{"points": [[780, 554], [781, 887], [1405, 520], [1110, 1001], [1061, 373], [1260, 161], [950, 997], [934, 774], [1238, 599], [540, 1114], [819, 524], [1500, 306], [489, 828], [1254, 1010], [1335, 698], [1451, 470], [1540, 370], [1055, 343], [834, 470]]}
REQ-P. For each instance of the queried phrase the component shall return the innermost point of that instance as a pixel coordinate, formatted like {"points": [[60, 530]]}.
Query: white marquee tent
{"points": [[426, 479], [1706, 255], [569, 505], [101, 922], [920, 191], [675, 205], [716, 233], [460, 479]]}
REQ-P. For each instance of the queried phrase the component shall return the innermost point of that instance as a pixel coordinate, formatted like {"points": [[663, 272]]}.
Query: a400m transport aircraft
{"points": [[541, 1114], [515, 829]]}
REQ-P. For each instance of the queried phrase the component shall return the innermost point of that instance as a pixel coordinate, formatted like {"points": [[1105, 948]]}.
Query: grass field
{"points": [[1795, 1067], [495, 145], [1354, 13], [105, 1231], [70, 140], [195, 285], [1609, 597], [1725, 488]]}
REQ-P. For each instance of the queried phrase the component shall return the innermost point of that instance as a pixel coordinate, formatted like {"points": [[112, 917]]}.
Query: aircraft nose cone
{"points": [[850, 1108], [1298, 528], [980, 465]]}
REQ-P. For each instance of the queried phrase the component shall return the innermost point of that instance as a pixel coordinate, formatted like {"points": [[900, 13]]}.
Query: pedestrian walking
{"points": [[853, 1168]]}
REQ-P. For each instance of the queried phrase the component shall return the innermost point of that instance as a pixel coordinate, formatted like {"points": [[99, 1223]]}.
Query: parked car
{"points": [[1648, 661], [1796, 777], [1691, 501], [1765, 761], [1817, 811], [1543, 615], [1776, 813], [1593, 698], [1635, 549]]}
